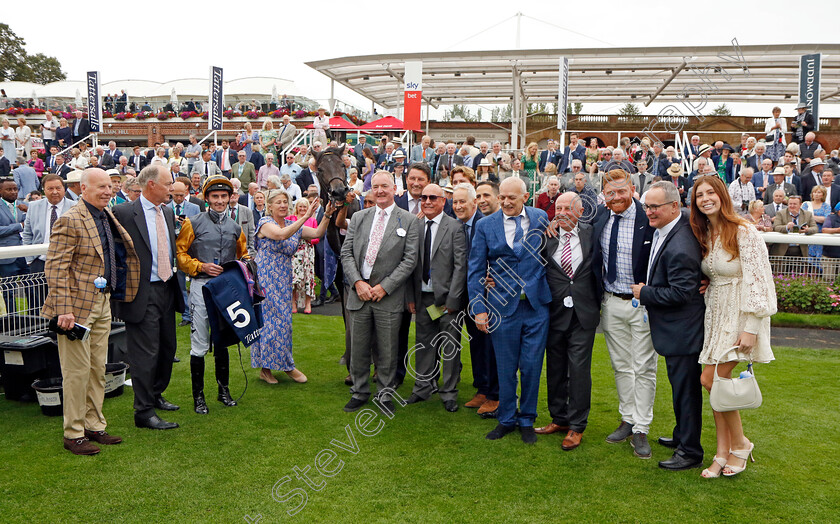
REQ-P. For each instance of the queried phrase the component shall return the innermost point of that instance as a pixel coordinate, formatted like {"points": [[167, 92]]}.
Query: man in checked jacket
{"points": [[87, 244]]}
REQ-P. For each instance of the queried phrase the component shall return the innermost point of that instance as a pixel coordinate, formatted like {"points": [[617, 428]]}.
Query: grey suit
{"points": [[392, 267], [770, 209], [442, 336], [212, 169], [642, 185], [789, 190], [35, 224], [245, 219], [285, 135]]}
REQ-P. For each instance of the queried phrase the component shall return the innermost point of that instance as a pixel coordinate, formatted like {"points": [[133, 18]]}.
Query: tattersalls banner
{"points": [[94, 102], [809, 85], [217, 99], [413, 94], [563, 97]]}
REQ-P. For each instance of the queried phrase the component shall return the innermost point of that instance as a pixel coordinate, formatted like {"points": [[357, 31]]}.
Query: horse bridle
{"points": [[344, 182]]}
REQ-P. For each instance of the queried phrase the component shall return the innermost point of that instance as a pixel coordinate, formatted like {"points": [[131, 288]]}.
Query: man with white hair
{"points": [[808, 149], [308, 177], [501, 160], [754, 161], [80, 127], [292, 189], [483, 151], [620, 162], [742, 191], [447, 159], [423, 152], [268, 170], [105, 161], [286, 133], [692, 150]]}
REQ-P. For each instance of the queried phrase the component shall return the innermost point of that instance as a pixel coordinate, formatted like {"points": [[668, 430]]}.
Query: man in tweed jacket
{"points": [[86, 243]]}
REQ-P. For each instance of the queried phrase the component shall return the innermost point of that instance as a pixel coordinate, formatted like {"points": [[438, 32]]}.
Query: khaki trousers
{"points": [[83, 369]]}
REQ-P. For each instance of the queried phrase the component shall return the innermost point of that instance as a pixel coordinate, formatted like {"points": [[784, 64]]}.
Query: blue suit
{"points": [[517, 308], [547, 156], [10, 229], [566, 163]]}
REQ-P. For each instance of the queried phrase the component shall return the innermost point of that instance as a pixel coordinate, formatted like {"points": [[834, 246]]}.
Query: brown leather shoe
{"points": [[476, 402], [80, 446], [488, 407], [551, 428], [572, 440], [102, 437]]}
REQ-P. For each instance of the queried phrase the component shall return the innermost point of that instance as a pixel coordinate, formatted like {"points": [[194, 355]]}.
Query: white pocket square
{"points": [[647, 242]]}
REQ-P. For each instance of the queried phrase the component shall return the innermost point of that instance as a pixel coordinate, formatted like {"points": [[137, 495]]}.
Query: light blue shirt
{"points": [[151, 212], [293, 170]]}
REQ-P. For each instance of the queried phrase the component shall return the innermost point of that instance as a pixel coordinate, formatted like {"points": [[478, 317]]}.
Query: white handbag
{"points": [[735, 394]]}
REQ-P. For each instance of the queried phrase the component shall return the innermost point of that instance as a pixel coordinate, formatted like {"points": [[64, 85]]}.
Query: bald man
{"points": [[515, 311], [435, 297]]}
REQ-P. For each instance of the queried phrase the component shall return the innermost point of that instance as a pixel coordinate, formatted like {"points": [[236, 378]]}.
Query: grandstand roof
{"points": [[631, 74]]}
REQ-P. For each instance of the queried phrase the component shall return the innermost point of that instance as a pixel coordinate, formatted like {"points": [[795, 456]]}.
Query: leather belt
{"points": [[622, 296]]}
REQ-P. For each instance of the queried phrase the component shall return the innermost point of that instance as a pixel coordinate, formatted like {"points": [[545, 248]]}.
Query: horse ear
{"points": [[341, 149], [316, 155]]}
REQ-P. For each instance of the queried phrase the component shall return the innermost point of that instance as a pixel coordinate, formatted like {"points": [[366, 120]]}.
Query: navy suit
{"points": [[546, 157], [517, 308], [482, 356], [566, 162], [677, 312]]}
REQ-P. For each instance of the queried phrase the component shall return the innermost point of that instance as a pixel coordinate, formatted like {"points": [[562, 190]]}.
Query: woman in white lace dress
{"points": [[740, 299]]}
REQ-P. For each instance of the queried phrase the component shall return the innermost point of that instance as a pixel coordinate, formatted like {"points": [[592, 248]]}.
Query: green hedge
{"points": [[802, 294]]}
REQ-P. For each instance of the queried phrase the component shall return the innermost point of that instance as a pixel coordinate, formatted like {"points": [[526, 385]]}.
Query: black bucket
{"points": [[115, 378], [50, 396]]}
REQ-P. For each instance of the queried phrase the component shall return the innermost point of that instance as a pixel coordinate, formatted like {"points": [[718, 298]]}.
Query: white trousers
{"points": [[200, 327], [633, 360]]}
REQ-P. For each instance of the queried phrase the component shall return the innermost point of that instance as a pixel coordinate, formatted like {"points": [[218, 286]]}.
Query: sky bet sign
{"points": [[412, 95]]}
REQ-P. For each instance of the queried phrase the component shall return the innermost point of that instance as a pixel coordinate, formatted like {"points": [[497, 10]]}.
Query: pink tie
{"points": [[376, 238], [566, 255], [163, 260]]}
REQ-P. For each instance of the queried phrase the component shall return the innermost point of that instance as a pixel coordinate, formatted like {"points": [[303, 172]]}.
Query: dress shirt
{"points": [[291, 170], [224, 160], [510, 227], [150, 210], [577, 252], [294, 192], [413, 202], [427, 287], [59, 210], [99, 218], [658, 240], [367, 268], [624, 257]]}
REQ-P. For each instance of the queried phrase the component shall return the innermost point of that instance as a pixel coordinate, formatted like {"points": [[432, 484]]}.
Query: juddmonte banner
{"points": [[94, 102], [809, 85], [412, 96], [217, 99], [563, 97]]}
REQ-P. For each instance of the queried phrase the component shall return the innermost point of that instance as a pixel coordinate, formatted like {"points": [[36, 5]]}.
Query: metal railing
{"points": [[95, 141], [303, 136], [815, 268], [20, 307]]}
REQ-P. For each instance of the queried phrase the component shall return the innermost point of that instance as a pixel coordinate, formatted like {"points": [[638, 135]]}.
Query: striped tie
{"points": [[566, 255]]}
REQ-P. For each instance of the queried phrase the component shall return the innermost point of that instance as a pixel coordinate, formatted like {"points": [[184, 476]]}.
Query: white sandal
{"points": [[742, 454], [707, 474]]}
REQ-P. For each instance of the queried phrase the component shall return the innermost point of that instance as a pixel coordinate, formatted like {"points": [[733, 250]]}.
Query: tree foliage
{"points": [[630, 110], [17, 65], [722, 110]]}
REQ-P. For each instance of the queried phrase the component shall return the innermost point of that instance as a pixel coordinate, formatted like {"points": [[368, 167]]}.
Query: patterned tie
{"points": [[233, 213], [376, 238], [566, 255], [164, 263], [53, 216], [414, 209], [112, 278], [178, 209]]}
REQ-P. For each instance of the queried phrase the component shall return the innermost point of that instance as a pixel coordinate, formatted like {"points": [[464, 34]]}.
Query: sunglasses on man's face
{"points": [[431, 198]]}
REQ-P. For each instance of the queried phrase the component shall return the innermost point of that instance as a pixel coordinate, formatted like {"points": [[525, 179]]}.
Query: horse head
{"points": [[332, 174]]}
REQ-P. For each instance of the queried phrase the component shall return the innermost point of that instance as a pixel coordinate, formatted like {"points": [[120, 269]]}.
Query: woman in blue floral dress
{"points": [[277, 241]]}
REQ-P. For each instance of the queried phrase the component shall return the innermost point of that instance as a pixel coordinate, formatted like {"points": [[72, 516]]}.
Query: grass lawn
{"points": [[424, 465], [803, 320]]}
